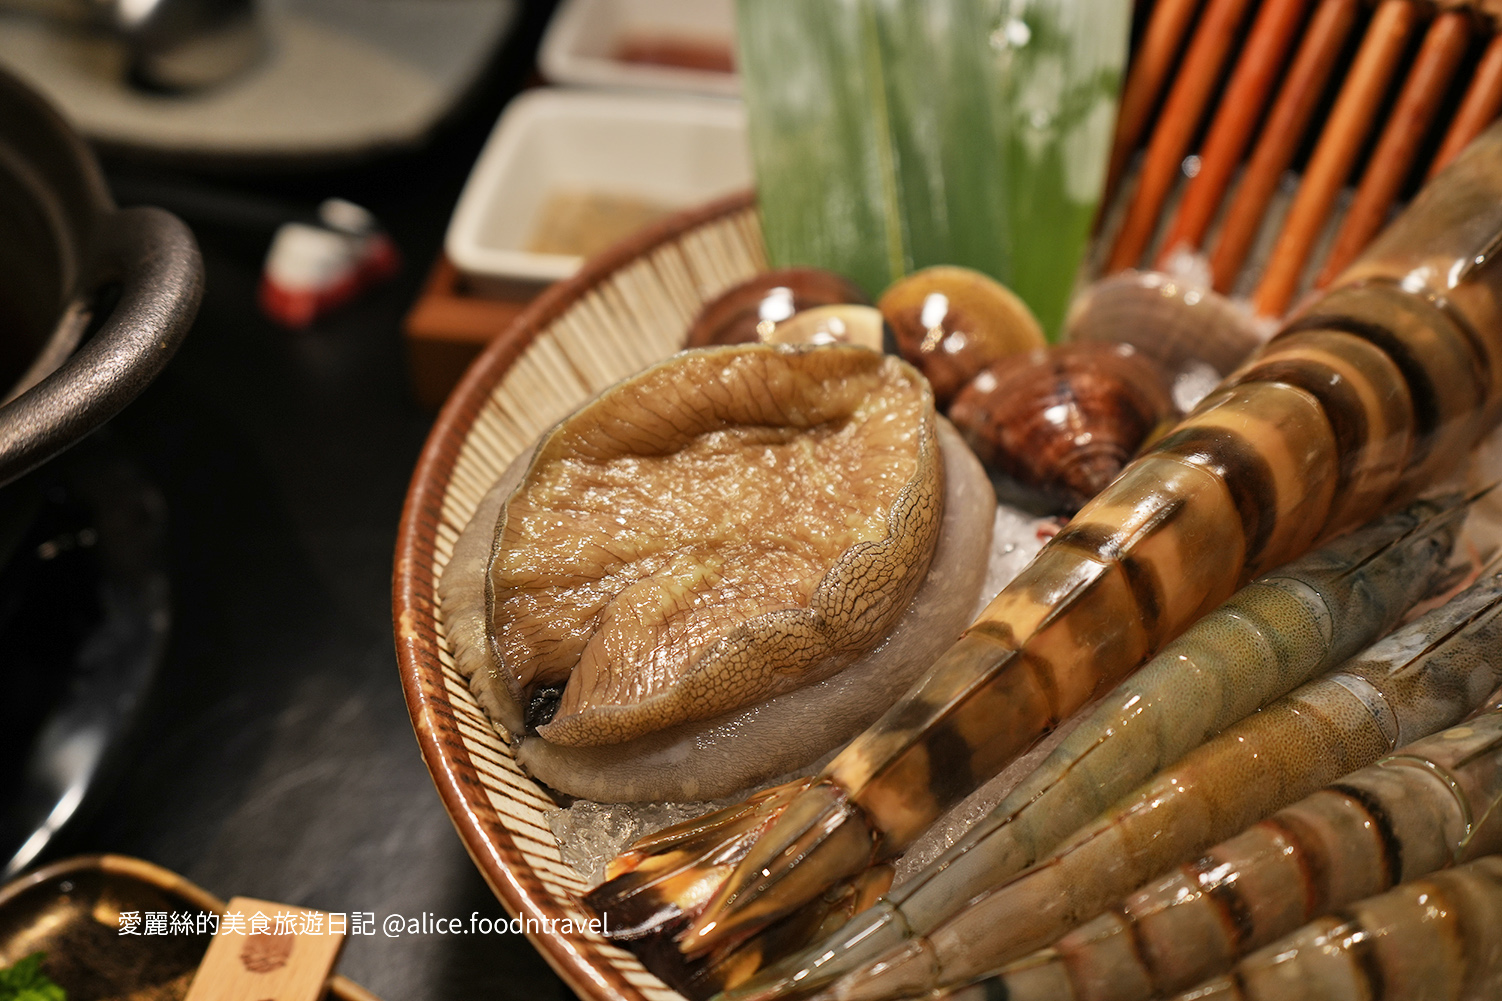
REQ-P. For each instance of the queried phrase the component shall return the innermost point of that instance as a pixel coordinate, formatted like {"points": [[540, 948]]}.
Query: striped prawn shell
{"points": [[1425, 677], [1431, 805], [1434, 937], [1365, 397]]}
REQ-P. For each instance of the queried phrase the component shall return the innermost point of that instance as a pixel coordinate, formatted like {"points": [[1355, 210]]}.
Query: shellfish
{"points": [[1178, 323], [1066, 419], [601, 596], [1340, 416], [863, 326], [747, 312], [1432, 938], [951, 322], [1425, 677]]}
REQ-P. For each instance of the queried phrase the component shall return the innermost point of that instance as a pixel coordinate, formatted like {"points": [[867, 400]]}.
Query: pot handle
{"points": [[154, 259]]}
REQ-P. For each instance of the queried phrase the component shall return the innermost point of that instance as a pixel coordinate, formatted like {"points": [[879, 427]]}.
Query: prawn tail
{"points": [[656, 887], [729, 967], [822, 839]]}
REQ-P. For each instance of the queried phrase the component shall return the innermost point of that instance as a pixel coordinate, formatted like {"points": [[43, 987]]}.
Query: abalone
{"points": [[717, 532]]}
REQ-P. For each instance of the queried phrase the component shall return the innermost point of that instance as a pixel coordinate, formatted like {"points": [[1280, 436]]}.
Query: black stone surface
{"points": [[275, 757]]}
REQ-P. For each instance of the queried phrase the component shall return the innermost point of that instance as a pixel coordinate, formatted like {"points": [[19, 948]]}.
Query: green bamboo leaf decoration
{"points": [[889, 135], [819, 137]]}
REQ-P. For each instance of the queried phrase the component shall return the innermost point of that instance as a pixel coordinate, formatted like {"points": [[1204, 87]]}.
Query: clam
{"points": [[1064, 420], [1174, 321], [863, 326], [745, 312], [710, 537], [952, 322]]}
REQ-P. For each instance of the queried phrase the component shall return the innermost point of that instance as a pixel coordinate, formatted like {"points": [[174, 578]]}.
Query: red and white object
{"points": [[313, 269]]}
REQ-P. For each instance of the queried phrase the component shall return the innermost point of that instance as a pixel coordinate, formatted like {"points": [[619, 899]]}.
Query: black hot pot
{"points": [[93, 302], [93, 299]]}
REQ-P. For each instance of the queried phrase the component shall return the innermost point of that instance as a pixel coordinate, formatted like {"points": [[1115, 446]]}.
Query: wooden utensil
{"points": [[288, 958], [1423, 80]]}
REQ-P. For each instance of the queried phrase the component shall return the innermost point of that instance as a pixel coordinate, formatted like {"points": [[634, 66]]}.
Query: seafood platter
{"points": [[766, 639]]}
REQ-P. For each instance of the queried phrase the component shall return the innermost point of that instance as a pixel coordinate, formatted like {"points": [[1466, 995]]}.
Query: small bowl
{"points": [[643, 44], [666, 151], [70, 911], [626, 309]]}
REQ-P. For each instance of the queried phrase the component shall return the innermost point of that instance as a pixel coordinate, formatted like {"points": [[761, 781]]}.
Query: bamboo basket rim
{"points": [[414, 603]]}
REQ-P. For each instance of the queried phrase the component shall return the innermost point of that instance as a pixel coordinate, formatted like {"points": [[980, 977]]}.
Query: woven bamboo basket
{"points": [[626, 309], [631, 306]]}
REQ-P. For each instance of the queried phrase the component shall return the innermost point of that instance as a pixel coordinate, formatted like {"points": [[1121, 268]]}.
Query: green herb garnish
{"points": [[25, 981]]}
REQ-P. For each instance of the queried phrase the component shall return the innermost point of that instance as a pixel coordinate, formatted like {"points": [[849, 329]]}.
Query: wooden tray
{"points": [[626, 309]]}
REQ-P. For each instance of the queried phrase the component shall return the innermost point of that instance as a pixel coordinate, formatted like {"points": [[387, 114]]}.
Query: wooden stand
{"points": [[448, 327]]}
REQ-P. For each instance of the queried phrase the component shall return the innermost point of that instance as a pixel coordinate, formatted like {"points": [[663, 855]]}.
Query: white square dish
{"points": [[670, 151], [654, 44]]}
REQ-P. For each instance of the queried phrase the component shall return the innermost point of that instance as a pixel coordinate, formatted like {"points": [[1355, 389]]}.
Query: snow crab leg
{"points": [[1279, 631], [1384, 383]]}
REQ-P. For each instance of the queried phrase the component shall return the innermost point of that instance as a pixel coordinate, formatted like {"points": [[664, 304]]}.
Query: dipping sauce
{"points": [[582, 223], [709, 55]]}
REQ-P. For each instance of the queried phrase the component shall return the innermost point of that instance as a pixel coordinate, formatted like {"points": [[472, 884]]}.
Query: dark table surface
{"points": [[275, 757]]}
